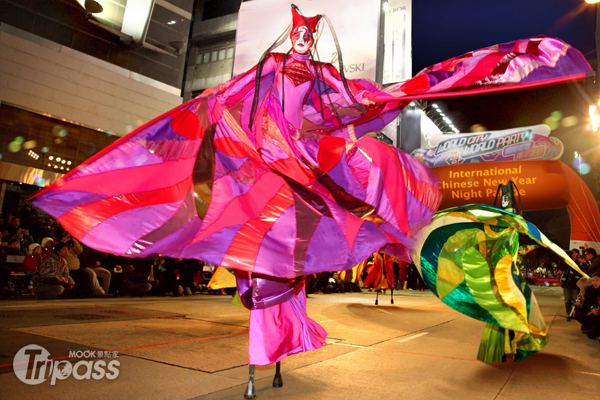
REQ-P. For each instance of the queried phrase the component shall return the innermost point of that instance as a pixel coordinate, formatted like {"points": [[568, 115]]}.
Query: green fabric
{"points": [[467, 257], [491, 348]]}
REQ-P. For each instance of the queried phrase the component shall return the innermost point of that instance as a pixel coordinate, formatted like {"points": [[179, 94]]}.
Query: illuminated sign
{"points": [[530, 143]]}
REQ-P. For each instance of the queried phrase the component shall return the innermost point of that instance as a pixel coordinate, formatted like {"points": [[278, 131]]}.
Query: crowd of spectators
{"points": [[582, 295], [39, 258]]}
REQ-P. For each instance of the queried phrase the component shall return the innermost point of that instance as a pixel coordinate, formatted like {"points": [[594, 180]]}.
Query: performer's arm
{"points": [[232, 91], [332, 77]]}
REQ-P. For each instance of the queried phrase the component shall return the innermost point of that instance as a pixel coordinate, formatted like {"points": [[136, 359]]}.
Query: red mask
{"points": [[301, 36]]}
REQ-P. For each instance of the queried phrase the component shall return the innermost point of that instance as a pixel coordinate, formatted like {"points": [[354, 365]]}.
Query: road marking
{"points": [[353, 345], [412, 337]]}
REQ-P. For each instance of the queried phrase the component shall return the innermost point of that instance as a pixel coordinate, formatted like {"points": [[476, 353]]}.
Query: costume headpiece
{"points": [[299, 20]]}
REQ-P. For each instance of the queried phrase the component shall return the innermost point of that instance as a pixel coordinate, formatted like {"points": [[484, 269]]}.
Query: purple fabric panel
{"points": [[277, 247], [173, 149], [162, 236], [257, 293], [271, 152], [328, 249], [566, 65], [344, 176], [171, 245], [368, 241], [377, 123], [114, 235], [228, 163], [436, 77], [57, 203], [377, 196], [213, 248], [160, 131], [128, 154]]}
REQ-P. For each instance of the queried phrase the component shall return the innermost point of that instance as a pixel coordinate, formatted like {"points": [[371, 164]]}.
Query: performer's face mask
{"points": [[302, 40]]}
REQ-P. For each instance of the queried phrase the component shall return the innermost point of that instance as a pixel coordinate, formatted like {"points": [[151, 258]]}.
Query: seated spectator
{"points": [[19, 237], [13, 248], [85, 277], [91, 259], [47, 246], [312, 284], [136, 283], [591, 320], [582, 306], [172, 277], [14, 226], [32, 263], [6, 287], [4, 237], [53, 277], [187, 274]]}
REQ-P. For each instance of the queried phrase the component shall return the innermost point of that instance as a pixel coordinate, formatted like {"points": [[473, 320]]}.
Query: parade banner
{"points": [[471, 166], [540, 183], [528, 143]]}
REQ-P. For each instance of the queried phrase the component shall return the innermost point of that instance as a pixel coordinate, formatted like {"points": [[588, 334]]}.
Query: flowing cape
{"points": [[240, 187], [467, 257], [198, 182]]}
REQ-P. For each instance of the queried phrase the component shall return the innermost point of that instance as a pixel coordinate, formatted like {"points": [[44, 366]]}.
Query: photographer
{"points": [[593, 261]]}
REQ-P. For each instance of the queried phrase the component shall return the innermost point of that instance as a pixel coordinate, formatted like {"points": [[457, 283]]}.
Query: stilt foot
{"points": [[250, 393], [277, 381]]}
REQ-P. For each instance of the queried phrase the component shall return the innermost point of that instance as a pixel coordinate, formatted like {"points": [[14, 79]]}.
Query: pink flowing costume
{"points": [[300, 192]]}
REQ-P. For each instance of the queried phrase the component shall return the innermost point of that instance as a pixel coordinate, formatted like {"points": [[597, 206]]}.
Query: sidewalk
{"points": [[196, 348]]}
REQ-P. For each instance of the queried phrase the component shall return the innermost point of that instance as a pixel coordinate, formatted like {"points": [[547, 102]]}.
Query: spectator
{"points": [[581, 305], [189, 275], [14, 226], [84, 277], [568, 281], [136, 281], [13, 248], [47, 246], [591, 322], [19, 237], [32, 263], [6, 287], [172, 277], [91, 260], [53, 277], [593, 261]]}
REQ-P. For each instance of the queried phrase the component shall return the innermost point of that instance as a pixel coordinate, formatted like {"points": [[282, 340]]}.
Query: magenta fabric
{"points": [[283, 330], [293, 189]]}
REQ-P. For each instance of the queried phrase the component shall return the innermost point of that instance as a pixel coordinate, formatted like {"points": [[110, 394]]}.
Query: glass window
{"points": [[222, 54], [229, 52], [206, 57], [215, 54]]}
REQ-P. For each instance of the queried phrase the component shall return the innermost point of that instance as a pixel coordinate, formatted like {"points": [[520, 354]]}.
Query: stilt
{"points": [[250, 393], [277, 381], [377, 298], [392, 295]]}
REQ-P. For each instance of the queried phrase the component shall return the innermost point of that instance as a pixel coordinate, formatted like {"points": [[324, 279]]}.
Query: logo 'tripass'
{"points": [[32, 365]]}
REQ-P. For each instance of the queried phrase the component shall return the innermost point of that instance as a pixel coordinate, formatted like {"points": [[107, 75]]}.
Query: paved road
{"points": [[196, 348]]}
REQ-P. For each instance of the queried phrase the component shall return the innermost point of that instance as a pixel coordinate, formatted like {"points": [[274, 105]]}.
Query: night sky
{"points": [[443, 29]]}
